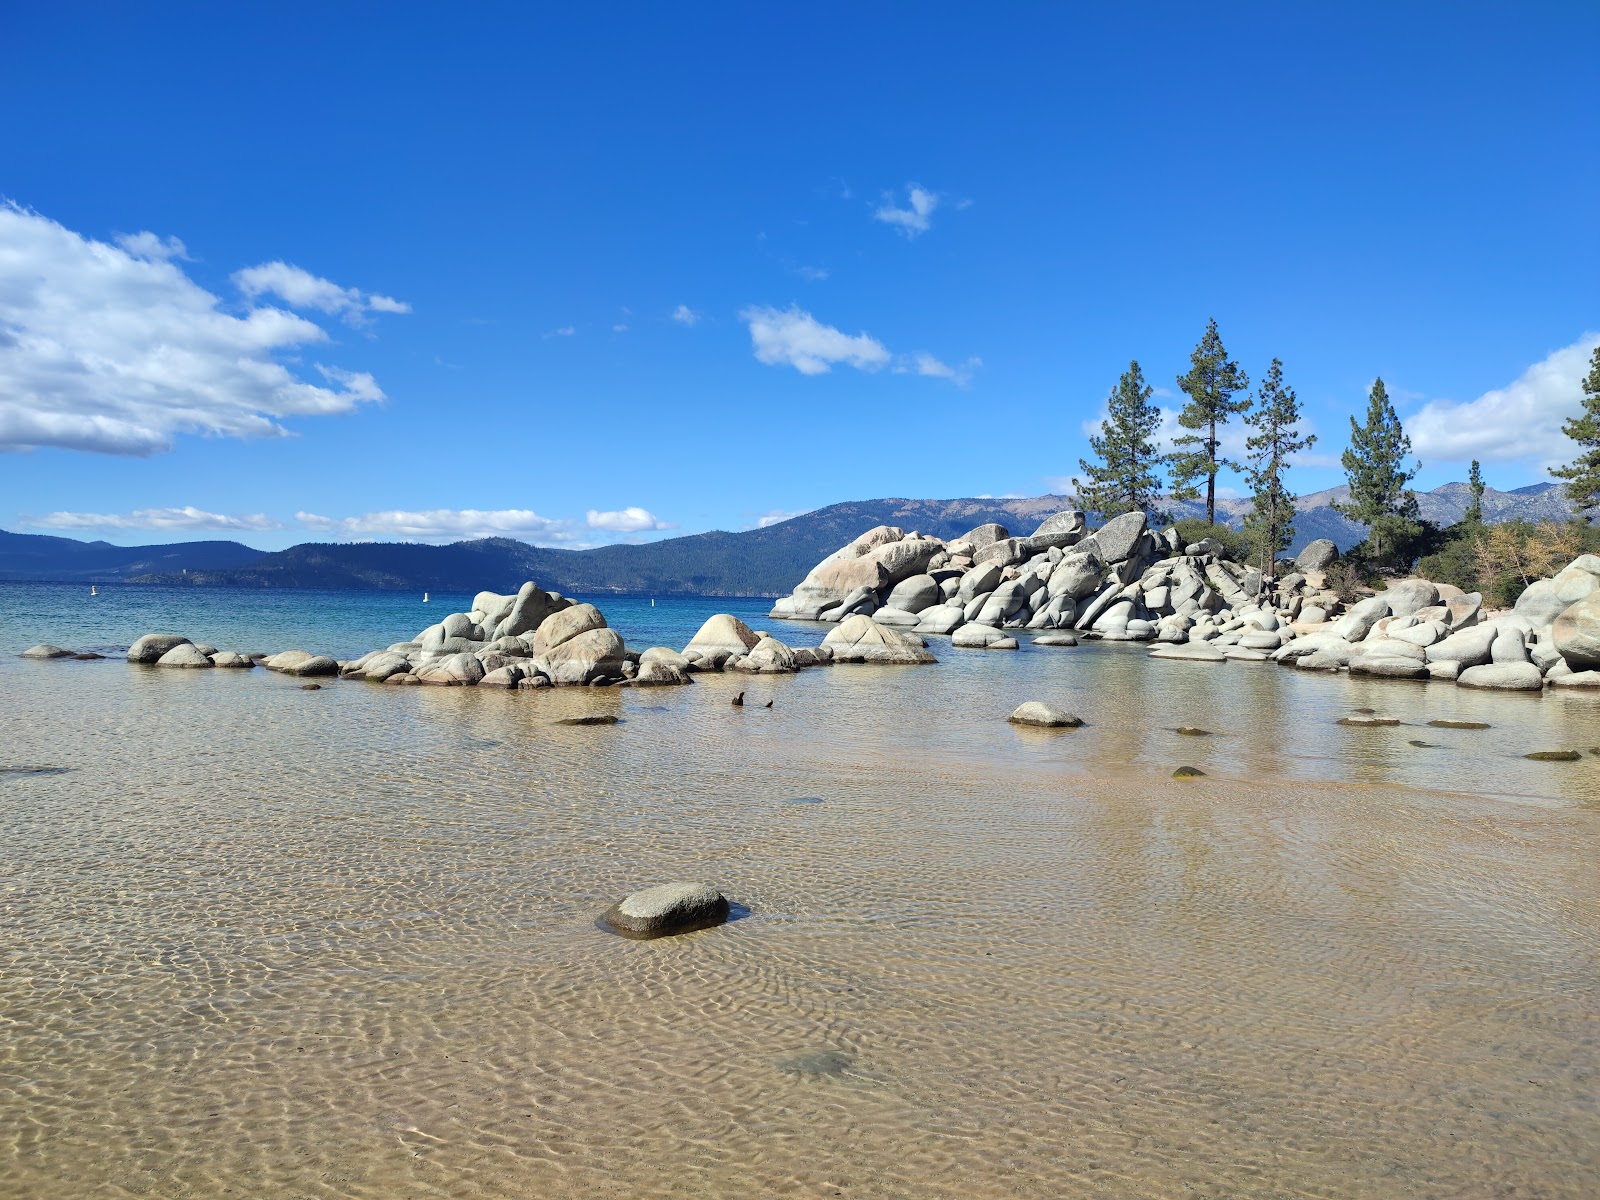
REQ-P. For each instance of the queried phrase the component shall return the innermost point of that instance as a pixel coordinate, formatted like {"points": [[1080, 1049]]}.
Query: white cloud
{"points": [[684, 315], [779, 515], [927, 364], [301, 289], [619, 328], [442, 524], [916, 217], [789, 337], [564, 331], [185, 519], [1519, 421], [812, 274], [627, 520], [113, 349]]}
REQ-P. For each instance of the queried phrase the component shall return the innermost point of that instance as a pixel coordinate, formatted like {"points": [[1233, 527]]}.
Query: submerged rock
{"points": [[46, 650], [1188, 773], [668, 909], [1554, 756]]}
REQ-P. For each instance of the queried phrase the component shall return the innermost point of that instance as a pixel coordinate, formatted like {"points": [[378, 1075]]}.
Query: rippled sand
{"points": [[262, 941]]}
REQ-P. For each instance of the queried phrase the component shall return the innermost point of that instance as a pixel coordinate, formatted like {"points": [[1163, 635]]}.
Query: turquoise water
{"points": [[343, 624]]}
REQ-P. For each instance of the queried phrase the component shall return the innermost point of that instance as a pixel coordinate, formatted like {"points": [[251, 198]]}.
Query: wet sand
{"points": [[259, 941]]}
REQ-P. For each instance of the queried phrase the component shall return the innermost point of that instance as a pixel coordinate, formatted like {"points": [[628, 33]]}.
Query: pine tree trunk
{"points": [[1211, 479]]}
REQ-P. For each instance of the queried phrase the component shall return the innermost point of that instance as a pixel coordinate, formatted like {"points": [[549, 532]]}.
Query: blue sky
{"points": [[637, 270]]}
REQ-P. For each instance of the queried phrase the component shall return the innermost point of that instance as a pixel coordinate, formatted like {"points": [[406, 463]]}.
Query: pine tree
{"points": [[1474, 513], [1126, 476], [1583, 473], [1375, 466], [1276, 421], [1212, 382]]}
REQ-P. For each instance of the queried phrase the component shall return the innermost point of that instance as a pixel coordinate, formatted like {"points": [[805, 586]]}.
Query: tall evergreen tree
{"points": [[1474, 513], [1375, 466], [1211, 384], [1125, 477], [1276, 422], [1583, 473]]}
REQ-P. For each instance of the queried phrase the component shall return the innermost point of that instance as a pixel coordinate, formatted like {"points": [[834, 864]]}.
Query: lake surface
{"points": [[262, 941]]}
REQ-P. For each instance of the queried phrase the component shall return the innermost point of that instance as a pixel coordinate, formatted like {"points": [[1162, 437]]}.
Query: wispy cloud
{"points": [[619, 328], [299, 288], [1519, 421], [927, 364], [916, 217], [790, 337], [684, 315], [778, 516], [812, 274], [627, 520], [187, 519], [113, 349], [442, 524], [564, 332]]}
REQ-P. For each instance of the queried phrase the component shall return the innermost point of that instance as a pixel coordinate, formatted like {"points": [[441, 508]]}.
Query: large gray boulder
{"points": [[152, 646], [985, 535], [452, 671], [860, 639], [384, 664], [1317, 556], [667, 909], [1576, 633], [1464, 609], [45, 650], [183, 655], [905, 558], [229, 658], [981, 580], [593, 655], [769, 657], [1410, 595], [1006, 600], [723, 631], [1470, 647], [1510, 646], [1065, 528], [830, 582], [1077, 575], [941, 618], [1358, 622], [528, 610], [565, 625], [1503, 677], [1546, 599], [982, 637], [914, 594], [1118, 539]]}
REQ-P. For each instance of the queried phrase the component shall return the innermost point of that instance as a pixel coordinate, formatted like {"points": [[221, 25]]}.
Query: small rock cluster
{"points": [[538, 639]]}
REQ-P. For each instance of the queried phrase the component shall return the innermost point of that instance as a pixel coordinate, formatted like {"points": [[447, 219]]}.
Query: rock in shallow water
{"points": [[1046, 716], [46, 650], [152, 646], [184, 655], [667, 909]]}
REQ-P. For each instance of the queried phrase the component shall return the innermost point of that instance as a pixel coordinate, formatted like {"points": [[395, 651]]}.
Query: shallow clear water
{"points": [[331, 943]]}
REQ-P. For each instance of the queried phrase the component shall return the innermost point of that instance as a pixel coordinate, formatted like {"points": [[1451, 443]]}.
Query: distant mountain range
{"points": [[755, 562]]}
